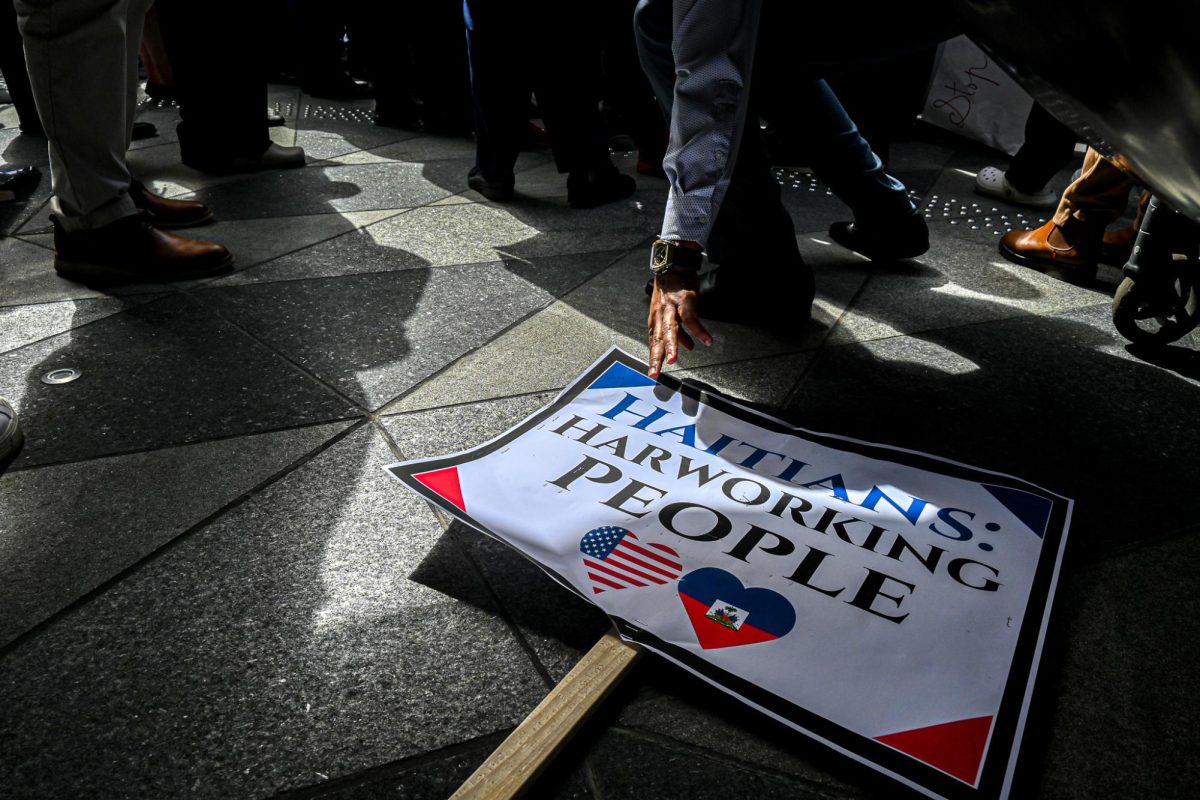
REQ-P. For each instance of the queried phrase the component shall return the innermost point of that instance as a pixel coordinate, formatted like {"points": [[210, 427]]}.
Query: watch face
{"points": [[660, 255]]}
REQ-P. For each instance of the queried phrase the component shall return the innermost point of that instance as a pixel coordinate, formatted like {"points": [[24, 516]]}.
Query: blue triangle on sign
{"points": [[619, 376], [1034, 511]]}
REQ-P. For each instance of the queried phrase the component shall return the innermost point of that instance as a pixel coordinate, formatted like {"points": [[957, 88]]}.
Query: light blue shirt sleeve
{"points": [[713, 45]]}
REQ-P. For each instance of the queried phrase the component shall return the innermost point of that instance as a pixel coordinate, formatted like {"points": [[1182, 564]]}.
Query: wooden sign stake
{"points": [[521, 757]]}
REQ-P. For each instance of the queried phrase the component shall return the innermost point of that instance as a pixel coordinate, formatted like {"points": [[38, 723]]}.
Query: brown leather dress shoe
{"points": [[132, 250], [167, 213], [1074, 246]]}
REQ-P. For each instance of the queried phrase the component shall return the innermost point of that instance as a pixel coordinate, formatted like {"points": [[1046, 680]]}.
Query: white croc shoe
{"points": [[993, 183]]}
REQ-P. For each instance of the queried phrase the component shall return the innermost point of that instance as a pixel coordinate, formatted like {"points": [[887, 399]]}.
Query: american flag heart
{"points": [[615, 559]]}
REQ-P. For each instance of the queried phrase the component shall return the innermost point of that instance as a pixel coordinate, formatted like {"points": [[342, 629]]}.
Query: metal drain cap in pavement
{"points": [[61, 375]]}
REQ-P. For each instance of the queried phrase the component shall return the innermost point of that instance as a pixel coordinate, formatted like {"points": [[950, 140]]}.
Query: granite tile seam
{"points": [[826, 345], [481, 744], [1132, 548], [671, 743], [503, 612], [590, 779], [554, 390], [205, 282], [465, 552], [167, 292], [15, 468], [1017, 314], [24, 237], [216, 312], [458, 403], [790, 398], [506, 257], [160, 551], [33, 211], [515, 323], [397, 453], [134, 301]]}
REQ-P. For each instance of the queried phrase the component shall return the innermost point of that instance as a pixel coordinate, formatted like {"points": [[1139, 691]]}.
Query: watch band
{"points": [[664, 255]]}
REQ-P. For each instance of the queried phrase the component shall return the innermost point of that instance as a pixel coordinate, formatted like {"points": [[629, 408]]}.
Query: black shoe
{"points": [[133, 250], [907, 239], [17, 181], [274, 119], [274, 156], [336, 86], [11, 437], [498, 191], [597, 187], [143, 130]]}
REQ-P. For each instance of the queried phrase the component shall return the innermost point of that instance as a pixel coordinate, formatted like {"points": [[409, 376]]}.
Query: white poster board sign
{"points": [[887, 603], [972, 95]]}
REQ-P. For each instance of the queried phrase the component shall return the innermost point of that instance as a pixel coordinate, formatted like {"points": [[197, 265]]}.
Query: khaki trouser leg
{"points": [[82, 58], [1098, 196]]}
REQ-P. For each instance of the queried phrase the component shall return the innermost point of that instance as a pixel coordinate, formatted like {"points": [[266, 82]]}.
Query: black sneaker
{"points": [[906, 239]]}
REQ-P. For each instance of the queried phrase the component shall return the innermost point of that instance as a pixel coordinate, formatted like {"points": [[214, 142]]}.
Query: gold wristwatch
{"points": [[664, 255]]}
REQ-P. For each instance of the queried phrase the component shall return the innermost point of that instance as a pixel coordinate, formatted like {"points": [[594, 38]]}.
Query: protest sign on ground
{"points": [[890, 604]]}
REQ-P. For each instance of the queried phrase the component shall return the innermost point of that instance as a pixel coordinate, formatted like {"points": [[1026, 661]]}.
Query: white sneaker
{"points": [[993, 183]]}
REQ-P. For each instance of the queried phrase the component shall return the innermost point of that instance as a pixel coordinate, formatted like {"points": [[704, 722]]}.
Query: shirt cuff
{"points": [[687, 219]]}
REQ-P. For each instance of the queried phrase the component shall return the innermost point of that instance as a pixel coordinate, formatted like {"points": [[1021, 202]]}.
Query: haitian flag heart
{"points": [[724, 613]]}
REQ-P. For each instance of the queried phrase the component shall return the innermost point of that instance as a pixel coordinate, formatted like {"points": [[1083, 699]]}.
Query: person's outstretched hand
{"points": [[672, 315]]}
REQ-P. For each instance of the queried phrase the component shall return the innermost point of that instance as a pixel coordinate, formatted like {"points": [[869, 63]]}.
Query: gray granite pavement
{"points": [[209, 589]]}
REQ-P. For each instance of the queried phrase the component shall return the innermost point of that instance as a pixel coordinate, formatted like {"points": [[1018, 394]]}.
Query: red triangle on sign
{"points": [[953, 747], [445, 483]]}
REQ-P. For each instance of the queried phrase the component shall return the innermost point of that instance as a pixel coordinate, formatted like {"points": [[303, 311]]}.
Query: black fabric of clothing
{"points": [[1048, 147], [12, 66], [629, 102], [550, 47], [419, 51], [216, 58], [322, 26]]}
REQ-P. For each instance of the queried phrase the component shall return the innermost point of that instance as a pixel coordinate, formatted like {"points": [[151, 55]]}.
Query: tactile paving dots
{"points": [[979, 215]]}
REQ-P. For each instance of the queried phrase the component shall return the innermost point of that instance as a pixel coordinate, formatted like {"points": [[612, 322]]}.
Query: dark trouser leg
{"points": [[499, 90], [652, 34], [567, 85], [12, 65], [883, 116], [1048, 147], [322, 24], [841, 157], [444, 78], [388, 29], [220, 78], [836, 150], [625, 88]]}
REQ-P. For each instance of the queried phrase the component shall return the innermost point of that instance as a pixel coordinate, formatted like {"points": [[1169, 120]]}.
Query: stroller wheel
{"points": [[1158, 315]]}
